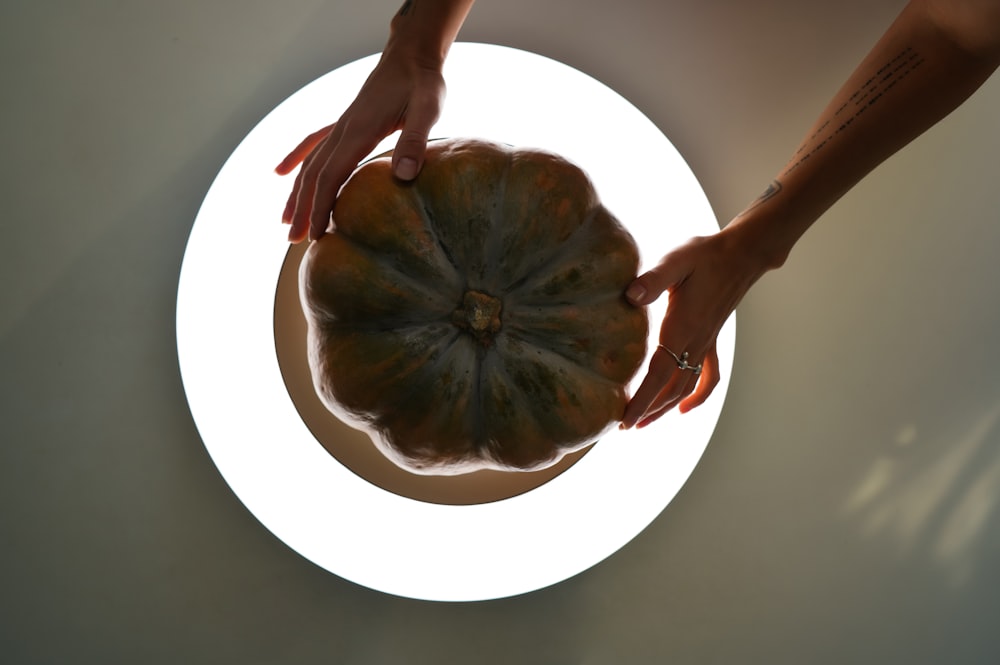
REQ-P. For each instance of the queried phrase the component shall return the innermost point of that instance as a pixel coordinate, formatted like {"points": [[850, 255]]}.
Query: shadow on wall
{"points": [[938, 498]]}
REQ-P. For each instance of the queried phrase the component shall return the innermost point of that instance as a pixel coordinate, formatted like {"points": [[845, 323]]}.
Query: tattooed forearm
{"points": [[772, 190], [862, 99]]}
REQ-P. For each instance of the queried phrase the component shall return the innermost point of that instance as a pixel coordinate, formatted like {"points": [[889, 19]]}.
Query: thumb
{"points": [[408, 157], [649, 286]]}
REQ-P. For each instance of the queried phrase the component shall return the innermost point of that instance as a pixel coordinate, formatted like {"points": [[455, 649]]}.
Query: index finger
{"points": [[343, 159], [663, 376], [302, 150]]}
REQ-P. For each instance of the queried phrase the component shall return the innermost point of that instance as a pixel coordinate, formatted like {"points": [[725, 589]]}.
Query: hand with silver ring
{"points": [[705, 278], [682, 360]]}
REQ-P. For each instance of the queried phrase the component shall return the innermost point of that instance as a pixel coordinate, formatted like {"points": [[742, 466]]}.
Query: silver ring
{"points": [[682, 361]]}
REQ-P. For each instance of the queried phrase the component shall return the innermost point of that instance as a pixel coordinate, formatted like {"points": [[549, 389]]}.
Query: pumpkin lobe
{"points": [[478, 315]]}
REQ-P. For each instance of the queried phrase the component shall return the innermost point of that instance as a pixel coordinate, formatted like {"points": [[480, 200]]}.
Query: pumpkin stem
{"points": [[478, 315]]}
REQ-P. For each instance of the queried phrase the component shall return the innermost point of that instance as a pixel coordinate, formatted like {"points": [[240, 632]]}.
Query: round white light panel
{"points": [[267, 455]]}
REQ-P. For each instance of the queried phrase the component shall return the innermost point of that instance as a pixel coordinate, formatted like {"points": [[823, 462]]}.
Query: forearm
{"points": [[426, 29], [927, 63]]}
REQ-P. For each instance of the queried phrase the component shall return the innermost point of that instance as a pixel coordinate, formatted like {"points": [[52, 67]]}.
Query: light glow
{"points": [[329, 515]]}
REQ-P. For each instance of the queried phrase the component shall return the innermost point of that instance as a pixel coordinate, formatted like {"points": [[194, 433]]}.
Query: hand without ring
{"points": [[682, 361]]}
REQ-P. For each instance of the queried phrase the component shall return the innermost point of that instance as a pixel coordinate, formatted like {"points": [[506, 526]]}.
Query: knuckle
{"points": [[412, 139]]}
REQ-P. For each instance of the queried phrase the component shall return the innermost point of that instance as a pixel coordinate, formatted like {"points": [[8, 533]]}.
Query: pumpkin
{"points": [[475, 317]]}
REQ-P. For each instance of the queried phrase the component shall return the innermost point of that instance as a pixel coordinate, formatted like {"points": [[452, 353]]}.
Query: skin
{"points": [[933, 56], [404, 92]]}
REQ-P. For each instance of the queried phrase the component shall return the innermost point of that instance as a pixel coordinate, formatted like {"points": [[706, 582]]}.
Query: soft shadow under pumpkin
{"points": [[353, 448]]}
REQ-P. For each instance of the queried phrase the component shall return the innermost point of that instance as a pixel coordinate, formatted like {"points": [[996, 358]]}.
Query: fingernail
{"points": [[406, 169], [635, 292]]}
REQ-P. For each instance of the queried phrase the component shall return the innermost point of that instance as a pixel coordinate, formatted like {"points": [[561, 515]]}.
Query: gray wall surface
{"points": [[847, 509]]}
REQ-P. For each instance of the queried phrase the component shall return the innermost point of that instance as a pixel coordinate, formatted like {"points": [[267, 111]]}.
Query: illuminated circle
{"points": [[329, 515]]}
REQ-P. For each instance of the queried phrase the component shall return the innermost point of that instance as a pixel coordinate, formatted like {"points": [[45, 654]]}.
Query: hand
{"points": [[705, 278], [401, 93]]}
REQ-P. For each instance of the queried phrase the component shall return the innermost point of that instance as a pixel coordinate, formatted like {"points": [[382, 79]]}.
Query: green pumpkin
{"points": [[474, 318]]}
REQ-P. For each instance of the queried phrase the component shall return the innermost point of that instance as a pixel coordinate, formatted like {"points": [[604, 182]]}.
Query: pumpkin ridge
{"points": [[492, 254], [404, 430], [566, 247], [431, 225], [497, 449], [576, 433], [480, 439], [342, 386], [440, 359], [517, 301], [365, 236], [526, 338], [441, 304]]}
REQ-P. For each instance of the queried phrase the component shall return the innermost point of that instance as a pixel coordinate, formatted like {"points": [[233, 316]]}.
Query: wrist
{"points": [[423, 32], [765, 232], [426, 51]]}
